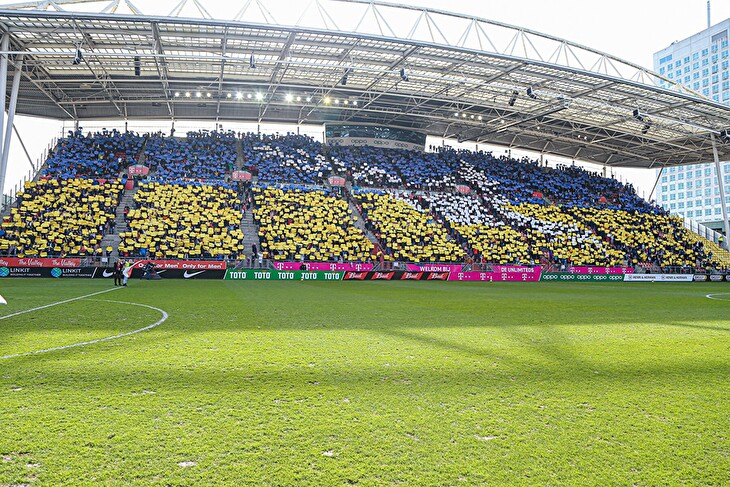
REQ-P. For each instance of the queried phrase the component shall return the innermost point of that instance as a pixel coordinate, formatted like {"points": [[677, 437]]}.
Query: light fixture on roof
{"points": [[239, 95], [456, 114], [289, 97], [259, 96], [642, 118], [513, 98], [229, 95], [347, 102], [248, 95], [343, 81], [78, 57], [480, 118], [198, 94], [177, 94], [354, 103], [337, 101], [531, 93], [208, 94], [403, 74], [187, 94], [309, 99], [326, 100], [252, 62], [299, 98]]}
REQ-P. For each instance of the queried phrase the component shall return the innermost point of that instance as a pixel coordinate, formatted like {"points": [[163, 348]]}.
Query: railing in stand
{"points": [[702, 230]]}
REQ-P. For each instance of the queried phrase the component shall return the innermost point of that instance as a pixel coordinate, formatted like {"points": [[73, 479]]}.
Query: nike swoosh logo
{"points": [[107, 274], [188, 275]]}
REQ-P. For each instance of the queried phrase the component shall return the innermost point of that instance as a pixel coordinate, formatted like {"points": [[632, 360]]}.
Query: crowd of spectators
{"points": [[286, 158], [304, 224], [654, 239], [204, 156], [98, 155], [58, 218], [183, 221], [406, 233]]}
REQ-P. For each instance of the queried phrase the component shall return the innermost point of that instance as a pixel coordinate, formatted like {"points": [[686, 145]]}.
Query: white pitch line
{"points": [[712, 296], [57, 303], [99, 340]]}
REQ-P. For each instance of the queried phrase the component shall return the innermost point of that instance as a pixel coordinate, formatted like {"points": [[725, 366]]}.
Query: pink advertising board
{"points": [[500, 273], [323, 266]]}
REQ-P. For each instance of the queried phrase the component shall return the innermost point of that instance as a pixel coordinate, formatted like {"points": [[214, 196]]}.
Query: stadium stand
{"points": [[512, 211], [56, 218], [183, 221], [305, 224]]}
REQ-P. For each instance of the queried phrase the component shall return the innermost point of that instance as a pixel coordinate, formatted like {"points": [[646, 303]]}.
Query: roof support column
{"points": [[9, 127], [651, 195], [4, 47], [721, 184]]}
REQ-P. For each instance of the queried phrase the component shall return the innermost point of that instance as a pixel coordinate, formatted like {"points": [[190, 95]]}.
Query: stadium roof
{"points": [[357, 61]]}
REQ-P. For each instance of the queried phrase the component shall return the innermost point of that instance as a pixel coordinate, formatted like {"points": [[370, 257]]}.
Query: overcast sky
{"points": [[629, 29]]}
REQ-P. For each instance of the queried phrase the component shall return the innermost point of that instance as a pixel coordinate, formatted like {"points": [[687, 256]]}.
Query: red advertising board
{"points": [[39, 262]]}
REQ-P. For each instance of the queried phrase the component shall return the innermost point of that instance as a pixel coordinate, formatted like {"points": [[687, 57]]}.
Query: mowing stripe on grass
{"points": [[57, 303], [98, 340]]}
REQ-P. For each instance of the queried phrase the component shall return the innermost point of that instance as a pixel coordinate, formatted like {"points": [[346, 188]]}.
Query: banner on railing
{"points": [[138, 170], [600, 270], [38, 262], [240, 176], [336, 180], [434, 267]]}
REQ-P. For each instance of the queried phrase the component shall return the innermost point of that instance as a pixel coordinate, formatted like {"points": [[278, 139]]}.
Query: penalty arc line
{"points": [[57, 303], [712, 296], [99, 340]]}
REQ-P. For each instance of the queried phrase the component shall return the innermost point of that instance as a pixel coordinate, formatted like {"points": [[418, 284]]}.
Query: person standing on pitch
{"points": [[118, 272], [127, 271]]}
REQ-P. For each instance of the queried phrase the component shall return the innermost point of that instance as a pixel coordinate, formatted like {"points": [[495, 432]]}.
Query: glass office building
{"points": [[701, 63]]}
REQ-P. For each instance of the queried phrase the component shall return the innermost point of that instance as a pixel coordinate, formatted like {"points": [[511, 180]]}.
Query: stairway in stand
{"points": [[113, 239], [250, 233], [360, 221], [239, 154]]}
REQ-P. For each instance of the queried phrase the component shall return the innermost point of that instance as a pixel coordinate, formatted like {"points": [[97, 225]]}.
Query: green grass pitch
{"points": [[365, 383]]}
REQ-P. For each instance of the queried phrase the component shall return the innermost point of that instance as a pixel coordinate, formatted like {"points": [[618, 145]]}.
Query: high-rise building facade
{"points": [[700, 63]]}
